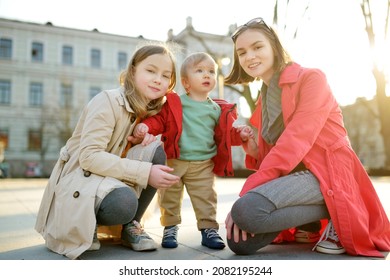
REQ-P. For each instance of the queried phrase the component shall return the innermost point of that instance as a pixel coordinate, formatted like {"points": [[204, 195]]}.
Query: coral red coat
{"points": [[168, 122], [315, 135]]}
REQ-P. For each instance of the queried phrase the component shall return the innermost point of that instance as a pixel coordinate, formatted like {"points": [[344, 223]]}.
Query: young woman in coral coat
{"points": [[307, 175]]}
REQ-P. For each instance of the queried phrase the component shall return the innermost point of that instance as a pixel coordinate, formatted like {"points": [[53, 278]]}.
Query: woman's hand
{"points": [[251, 148], [232, 230], [160, 178]]}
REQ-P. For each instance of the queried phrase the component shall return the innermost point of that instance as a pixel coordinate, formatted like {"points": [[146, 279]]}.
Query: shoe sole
{"points": [[330, 251], [140, 247], [169, 246], [215, 247]]}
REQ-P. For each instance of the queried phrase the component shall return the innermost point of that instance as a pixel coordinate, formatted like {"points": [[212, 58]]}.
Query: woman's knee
{"points": [[252, 244], [250, 211], [238, 248]]}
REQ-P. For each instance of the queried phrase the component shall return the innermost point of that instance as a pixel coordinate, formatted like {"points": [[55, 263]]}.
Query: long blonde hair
{"points": [[138, 102]]}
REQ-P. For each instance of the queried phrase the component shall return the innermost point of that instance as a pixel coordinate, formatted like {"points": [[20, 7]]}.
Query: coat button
{"points": [[329, 193], [87, 173], [76, 194]]}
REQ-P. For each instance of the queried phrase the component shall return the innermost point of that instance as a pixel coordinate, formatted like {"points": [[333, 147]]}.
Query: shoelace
{"points": [[170, 232], [329, 232], [136, 229], [211, 232]]}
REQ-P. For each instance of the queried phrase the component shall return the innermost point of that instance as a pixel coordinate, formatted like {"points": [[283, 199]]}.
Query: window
{"points": [[34, 140], [93, 91], [4, 137], [95, 58], [5, 48], [37, 52], [36, 94], [67, 55], [122, 60], [66, 96], [5, 92]]}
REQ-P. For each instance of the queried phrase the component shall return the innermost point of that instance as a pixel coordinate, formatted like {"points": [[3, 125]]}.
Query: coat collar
{"points": [[290, 74], [122, 100]]}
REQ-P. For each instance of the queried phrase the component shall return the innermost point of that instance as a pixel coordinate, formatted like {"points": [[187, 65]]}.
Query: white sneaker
{"points": [[329, 242]]}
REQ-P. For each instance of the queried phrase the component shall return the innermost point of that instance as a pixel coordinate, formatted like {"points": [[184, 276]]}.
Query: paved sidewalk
{"points": [[20, 199]]}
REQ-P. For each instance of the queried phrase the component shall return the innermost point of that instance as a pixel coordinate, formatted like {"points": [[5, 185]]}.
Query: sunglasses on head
{"points": [[253, 22]]}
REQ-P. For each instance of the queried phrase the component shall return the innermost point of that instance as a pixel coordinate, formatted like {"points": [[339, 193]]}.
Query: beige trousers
{"points": [[199, 179]]}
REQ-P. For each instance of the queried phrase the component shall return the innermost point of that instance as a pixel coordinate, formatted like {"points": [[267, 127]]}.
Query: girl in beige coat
{"points": [[91, 183]]}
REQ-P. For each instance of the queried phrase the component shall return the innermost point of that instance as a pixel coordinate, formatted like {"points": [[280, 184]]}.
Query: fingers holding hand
{"points": [[134, 140], [148, 138]]}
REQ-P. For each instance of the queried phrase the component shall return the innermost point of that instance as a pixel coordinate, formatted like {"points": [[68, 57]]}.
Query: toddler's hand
{"points": [[140, 130]]}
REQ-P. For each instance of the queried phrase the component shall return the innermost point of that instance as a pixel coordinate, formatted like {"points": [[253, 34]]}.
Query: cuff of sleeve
{"points": [[137, 175]]}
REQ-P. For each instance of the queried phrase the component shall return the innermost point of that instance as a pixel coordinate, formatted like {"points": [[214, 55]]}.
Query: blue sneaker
{"points": [[211, 239], [170, 237]]}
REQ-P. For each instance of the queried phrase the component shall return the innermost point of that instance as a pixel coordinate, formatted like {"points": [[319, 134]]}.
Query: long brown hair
{"points": [[237, 74], [141, 105]]}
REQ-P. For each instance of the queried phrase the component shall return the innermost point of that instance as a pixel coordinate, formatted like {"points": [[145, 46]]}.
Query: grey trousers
{"points": [[286, 202]]}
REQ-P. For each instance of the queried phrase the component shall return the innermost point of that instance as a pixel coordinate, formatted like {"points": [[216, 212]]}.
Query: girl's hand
{"points": [[148, 138], [160, 178]]}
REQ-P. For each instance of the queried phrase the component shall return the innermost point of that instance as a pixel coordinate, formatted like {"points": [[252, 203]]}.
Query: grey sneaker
{"points": [[134, 236]]}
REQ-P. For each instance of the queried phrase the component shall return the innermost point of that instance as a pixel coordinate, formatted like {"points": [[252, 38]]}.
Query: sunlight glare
{"points": [[245, 111]]}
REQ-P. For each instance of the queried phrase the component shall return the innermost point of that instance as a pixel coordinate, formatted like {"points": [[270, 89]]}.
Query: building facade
{"points": [[48, 73]]}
